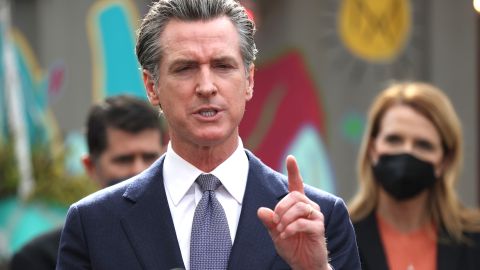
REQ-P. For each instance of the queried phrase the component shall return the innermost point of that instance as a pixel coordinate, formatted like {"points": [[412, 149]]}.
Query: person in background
{"points": [[124, 138], [207, 203], [407, 214]]}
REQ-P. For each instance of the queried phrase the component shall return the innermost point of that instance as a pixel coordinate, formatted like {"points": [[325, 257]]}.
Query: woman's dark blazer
{"points": [[450, 255]]}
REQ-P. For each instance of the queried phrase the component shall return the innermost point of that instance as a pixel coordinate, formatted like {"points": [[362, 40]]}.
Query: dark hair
{"points": [[149, 47], [125, 113]]}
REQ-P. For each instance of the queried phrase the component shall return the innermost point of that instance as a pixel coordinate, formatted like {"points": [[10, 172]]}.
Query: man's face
{"points": [[203, 84], [126, 154]]}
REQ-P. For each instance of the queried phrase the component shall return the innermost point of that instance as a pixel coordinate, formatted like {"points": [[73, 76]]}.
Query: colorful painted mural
{"points": [[111, 27], [38, 89], [286, 115], [39, 86]]}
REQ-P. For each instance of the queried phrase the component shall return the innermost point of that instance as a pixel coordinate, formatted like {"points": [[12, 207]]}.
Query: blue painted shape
{"points": [[6, 207], [31, 223], [121, 68], [76, 145], [309, 150], [3, 104], [20, 222], [35, 101]]}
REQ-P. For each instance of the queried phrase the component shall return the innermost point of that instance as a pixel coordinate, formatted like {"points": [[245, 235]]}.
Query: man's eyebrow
{"points": [[180, 62], [224, 59], [123, 157], [188, 62]]}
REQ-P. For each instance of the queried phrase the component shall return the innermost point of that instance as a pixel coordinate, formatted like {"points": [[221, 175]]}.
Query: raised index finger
{"points": [[295, 182]]}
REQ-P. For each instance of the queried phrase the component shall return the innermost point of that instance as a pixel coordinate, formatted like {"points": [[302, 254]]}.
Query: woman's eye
{"points": [[424, 145], [393, 139]]}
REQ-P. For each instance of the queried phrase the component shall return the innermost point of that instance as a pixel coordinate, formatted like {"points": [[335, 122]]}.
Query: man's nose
{"points": [[205, 83], [138, 166]]}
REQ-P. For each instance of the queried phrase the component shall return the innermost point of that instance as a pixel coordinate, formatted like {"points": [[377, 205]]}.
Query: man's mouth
{"points": [[208, 112]]}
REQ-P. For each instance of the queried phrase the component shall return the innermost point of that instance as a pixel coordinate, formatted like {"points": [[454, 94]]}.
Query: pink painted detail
{"points": [[56, 80], [299, 105]]}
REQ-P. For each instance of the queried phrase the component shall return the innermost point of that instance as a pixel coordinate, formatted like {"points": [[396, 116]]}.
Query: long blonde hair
{"points": [[443, 205]]}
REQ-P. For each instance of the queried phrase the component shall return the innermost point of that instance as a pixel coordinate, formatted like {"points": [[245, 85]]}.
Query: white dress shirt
{"points": [[183, 194]]}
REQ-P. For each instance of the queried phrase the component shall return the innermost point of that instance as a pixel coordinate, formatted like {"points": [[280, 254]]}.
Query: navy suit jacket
{"points": [[129, 226]]}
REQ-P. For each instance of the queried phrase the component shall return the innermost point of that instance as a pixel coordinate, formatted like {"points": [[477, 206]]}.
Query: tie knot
{"points": [[208, 182]]}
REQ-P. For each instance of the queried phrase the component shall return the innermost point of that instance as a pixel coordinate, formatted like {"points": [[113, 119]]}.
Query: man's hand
{"points": [[296, 225]]}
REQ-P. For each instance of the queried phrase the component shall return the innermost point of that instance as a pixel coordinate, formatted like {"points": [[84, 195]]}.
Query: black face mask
{"points": [[404, 176]]}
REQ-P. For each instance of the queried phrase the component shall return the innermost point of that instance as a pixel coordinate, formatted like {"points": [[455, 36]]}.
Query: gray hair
{"points": [[149, 47]]}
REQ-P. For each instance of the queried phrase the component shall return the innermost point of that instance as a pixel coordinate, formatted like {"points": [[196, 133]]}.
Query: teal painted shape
{"points": [[31, 223], [35, 102], [309, 151], [34, 97], [76, 145], [6, 207], [3, 105], [121, 69], [20, 222]]}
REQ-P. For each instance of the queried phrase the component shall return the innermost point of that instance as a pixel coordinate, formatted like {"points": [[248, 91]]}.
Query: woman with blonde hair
{"points": [[407, 214]]}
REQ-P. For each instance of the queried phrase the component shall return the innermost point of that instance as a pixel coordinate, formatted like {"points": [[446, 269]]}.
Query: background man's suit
{"points": [[129, 226], [39, 254]]}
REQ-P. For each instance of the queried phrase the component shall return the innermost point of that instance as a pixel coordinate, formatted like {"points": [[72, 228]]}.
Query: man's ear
{"points": [[89, 166], [149, 83], [250, 82]]}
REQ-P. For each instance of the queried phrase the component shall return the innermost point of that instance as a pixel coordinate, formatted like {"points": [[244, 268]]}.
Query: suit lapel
{"points": [[148, 223], [370, 245], [448, 252], [149, 226], [252, 239]]}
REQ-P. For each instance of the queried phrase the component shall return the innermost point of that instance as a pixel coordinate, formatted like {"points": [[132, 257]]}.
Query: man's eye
{"points": [[223, 66], [182, 69], [123, 159]]}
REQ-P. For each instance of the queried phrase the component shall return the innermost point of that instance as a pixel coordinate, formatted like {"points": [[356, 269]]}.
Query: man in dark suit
{"points": [[124, 138], [197, 60]]}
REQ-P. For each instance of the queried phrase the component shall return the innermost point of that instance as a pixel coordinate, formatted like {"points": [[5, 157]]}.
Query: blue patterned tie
{"points": [[210, 243]]}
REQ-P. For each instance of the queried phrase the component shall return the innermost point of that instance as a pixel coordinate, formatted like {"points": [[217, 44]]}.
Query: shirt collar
{"points": [[179, 174]]}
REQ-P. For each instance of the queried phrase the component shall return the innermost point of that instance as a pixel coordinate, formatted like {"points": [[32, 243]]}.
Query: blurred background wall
{"points": [[321, 62]]}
